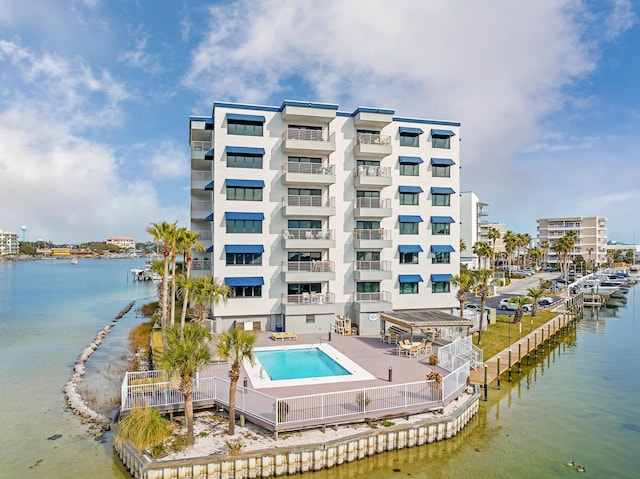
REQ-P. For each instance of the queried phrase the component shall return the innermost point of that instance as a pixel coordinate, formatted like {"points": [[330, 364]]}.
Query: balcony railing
{"points": [[374, 139], [307, 234], [201, 264], [308, 168], [309, 298], [373, 203], [309, 200], [204, 235], [373, 171], [200, 176], [373, 265], [377, 296], [309, 266], [200, 145], [377, 234], [200, 205], [308, 135]]}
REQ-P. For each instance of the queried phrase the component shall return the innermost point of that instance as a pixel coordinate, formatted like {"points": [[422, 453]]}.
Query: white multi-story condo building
{"points": [[591, 232], [123, 242], [307, 212], [472, 217], [8, 243]]}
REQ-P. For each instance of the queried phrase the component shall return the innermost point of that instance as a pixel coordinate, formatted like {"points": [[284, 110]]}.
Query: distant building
{"points": [[472, 219], [484, 231], [8, 243], [122, 242], [591, 232]]}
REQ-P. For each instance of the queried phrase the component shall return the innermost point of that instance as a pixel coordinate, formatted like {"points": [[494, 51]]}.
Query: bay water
{"points": [[577, 402]]}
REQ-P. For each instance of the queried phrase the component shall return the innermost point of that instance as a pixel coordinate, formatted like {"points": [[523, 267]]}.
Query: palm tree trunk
{"points": [[188, 413], [232, 405], [173, 289], [185, 299]]}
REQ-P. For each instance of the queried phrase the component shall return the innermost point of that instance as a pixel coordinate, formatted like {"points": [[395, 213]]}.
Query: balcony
{"points": [[308, 271], [303, 141], [308, 238], [309, 206], [204, 235], [200, 209], [308, 303], [308, 173], [199, 149], [372, 270], [369, 118], [294, 111], [372, 208], [374, 239], [373, 302], [372, 145], [200, 179], [372, 176]]}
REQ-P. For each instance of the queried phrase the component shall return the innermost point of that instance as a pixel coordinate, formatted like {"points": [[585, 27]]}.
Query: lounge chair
{"points": [[291, 335], [277, 336]]}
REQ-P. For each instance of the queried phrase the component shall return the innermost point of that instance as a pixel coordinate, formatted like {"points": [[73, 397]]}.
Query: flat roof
{"points": [[425, 318]]}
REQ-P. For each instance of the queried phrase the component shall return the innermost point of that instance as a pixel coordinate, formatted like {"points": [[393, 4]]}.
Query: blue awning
{"points": [[441, 191], [441, 278], [442, 249], [410, 189], [442, 162], [243, 248], [410, 248], [415, 160], [435, 132], [410, 219], [209, 218], [410, 278], [244, 216], [410, 131], [244, 183], [209, 153], [442, 219], [209, 186], [244, 150], [209, 249], [244, 281], [237, 116]]}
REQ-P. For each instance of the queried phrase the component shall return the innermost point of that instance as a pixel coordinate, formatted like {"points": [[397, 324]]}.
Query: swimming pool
{"points": [[302, 364]]}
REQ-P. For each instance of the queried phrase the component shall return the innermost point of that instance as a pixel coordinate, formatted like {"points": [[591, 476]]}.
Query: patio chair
{"points": [[413, 351], [425, 347]]}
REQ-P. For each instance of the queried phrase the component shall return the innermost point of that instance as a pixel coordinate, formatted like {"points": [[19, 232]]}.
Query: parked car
{"points": [[506, 305], [550, 269], [546, 301], [477, 307], [528, 272]]}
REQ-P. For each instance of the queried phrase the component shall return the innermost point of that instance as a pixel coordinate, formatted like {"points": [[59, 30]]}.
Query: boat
{"points": [[594, 286], [74, 260], [145, 274], [634, 273]]}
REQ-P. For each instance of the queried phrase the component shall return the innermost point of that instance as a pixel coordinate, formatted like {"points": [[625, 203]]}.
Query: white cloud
{"points": [[139, 57]]}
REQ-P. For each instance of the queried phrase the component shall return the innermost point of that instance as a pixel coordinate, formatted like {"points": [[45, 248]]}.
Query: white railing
{"points": [[200, 176], [372, 171], [462, 348], [199, 205], [200, 145], [308, 135], [377, 234], [308, 200], [308, 168], [307, 234], [374, 139], [204, 235], [373, 203], [313, 266], [201, 265], [373, 265], [375, 296], [309, 298], [315, 408]]}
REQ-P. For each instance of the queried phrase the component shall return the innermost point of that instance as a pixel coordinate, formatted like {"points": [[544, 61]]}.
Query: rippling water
{"points": [[577, 403]]}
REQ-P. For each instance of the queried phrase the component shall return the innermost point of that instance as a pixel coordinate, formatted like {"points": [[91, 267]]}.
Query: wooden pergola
{"points": [[422, 319]]}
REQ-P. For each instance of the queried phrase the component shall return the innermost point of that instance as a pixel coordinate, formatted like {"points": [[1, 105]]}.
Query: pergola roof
{"points": [[425, 318]]}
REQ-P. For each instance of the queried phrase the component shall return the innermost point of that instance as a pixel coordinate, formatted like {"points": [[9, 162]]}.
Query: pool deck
{"points": [[367, 351]]}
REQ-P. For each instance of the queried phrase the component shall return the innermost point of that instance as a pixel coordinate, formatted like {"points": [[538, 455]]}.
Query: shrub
{"points": [[144, 427], [362, 400], [234, 447]]}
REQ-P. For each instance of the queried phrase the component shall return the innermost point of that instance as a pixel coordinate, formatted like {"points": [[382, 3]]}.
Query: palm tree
{"points": [[178, 243], [464, 282], [494, 235], [590, 251], [482, 281], [544, 246], [521, 302], [187, 243], [205, 290], [463, 245], [163, 233], [535, 255], [510, 242], [185, 353], [235, 346], [535, 294], [562, 247]]}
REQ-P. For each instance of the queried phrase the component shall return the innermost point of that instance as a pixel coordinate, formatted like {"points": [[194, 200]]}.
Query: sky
{"points": [[95, 97]]}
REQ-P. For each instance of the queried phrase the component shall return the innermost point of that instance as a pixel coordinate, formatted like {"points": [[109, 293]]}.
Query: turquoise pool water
{"points": [[299, 364]]}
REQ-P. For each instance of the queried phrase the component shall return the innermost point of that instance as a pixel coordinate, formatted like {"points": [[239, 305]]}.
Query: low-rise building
{"points": [[122, 242], [8, 243]]}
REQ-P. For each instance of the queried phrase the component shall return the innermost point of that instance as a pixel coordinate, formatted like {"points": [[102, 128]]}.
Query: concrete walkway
{"points": [[521, 285]]}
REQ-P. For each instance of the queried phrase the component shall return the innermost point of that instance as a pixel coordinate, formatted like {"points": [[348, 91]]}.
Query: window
{"points": [[244, 226], [367, 194], [441, 141], [244, 161], [304, 159], [304, 224], [409, 257], [246, 291], [409, 198], [440, 228], [305, 256], [367, 163], [441, 171], [409, 139], [408, 228], [364, 287], [303, 132], [240, 193], [408, 288], [244, 127], [440, 287], [409, 169], [304, 192], [368, 256], [438, 199], [367, 225], [249, 259], [310, 318], [440, 257]]}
